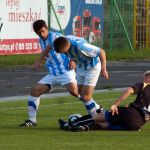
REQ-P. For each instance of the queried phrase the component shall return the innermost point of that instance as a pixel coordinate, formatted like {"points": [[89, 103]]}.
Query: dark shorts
{"points": [[128, 118]]}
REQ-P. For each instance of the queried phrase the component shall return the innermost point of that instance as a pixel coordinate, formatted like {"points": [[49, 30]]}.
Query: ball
{"points": [[73, 117]]}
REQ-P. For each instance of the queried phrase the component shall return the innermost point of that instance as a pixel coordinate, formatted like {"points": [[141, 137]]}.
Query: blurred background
{"points": [[122, 25]]}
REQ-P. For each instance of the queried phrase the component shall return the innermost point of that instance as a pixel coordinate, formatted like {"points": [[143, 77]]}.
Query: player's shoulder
{"points": [[70, 37], [54, 34], [41, 41], [138, 87], [88, 49], [75, 38]]}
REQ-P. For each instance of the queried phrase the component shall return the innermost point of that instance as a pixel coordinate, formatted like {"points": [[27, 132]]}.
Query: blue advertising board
{"points": [[82, 18]]}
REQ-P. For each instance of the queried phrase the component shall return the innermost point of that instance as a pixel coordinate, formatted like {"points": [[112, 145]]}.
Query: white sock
{"points": [[96, 105], [33, 104], [91, 106]]}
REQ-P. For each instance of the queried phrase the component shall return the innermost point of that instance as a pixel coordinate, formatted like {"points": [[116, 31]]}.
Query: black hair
{"points": [[60, 44], [38, 24]]}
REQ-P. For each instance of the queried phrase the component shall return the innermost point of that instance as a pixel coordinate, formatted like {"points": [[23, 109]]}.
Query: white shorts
{"points": [[68, 77], [88, 77]]}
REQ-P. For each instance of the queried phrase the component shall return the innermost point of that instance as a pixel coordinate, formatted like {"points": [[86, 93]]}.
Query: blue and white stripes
{"points": [[56, 63], [86, 55]]}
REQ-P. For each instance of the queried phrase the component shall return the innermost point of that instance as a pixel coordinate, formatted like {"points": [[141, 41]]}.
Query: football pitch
{"points": [[47, 136]]}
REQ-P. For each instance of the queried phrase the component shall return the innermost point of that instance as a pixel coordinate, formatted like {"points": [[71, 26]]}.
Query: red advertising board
{"points": [[19, 46]]}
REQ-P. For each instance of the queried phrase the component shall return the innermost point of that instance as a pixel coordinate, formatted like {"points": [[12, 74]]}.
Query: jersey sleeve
{"points": [[88, 49], [137, 87]]}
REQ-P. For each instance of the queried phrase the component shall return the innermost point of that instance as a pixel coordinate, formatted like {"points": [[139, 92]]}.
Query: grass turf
{"points": [[112, 55], [47, 136]]}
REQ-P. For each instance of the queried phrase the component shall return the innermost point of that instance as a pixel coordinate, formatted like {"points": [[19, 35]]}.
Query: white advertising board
{"points": [[16, 18]]}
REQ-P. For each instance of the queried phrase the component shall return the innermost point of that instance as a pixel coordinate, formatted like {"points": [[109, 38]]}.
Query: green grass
{"points": [[118, 55], [17, 60], [47, 136], [112, 55]]}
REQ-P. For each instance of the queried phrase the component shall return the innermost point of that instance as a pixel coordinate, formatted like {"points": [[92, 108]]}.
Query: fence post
{"points": [[50, 2], [147, 24], [1, 25], [111, 25], [123, 26], [49, 13]]}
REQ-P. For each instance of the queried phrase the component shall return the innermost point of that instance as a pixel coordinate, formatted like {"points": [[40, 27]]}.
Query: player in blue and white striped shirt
{"points": [[59, 68], [57, 64], [91, 61]]}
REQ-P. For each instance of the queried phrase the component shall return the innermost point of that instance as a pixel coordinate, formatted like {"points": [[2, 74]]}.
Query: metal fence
{"points": [[126, 24]]}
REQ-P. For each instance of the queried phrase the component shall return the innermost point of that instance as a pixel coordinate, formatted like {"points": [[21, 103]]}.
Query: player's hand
{"points": [[36, 66], [72, 64], [104, 73], [114, 109]]}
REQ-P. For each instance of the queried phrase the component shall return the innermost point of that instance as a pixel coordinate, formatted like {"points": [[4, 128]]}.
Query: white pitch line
{"points": [[54, 95], [51, 105]]}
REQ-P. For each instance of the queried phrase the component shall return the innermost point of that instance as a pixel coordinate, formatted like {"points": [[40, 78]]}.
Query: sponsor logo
{"points": [[60, 9]]}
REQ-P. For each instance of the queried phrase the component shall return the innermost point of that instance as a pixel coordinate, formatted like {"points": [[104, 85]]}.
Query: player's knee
{"points": [[35, 91], [39, 89]]}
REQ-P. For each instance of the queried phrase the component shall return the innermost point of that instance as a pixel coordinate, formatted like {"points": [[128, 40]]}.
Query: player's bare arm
{"points": [[102, 57], [123, 96], [72, 64], [36, 66]]}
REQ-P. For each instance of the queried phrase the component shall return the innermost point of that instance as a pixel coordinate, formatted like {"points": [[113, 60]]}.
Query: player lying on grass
{"points": [[132, 117], [90, 62]]}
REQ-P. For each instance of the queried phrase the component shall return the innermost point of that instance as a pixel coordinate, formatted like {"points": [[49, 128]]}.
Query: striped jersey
{"points": [[86, 55], [56, 63]]}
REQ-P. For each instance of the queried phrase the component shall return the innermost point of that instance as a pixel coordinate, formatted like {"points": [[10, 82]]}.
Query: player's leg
{"points": [[72, 89], [87, 80], [86, 95], [85, 123], [74, 125], [87, 99], [34, 99], [39, 89], [68, 79], [43, 86]]}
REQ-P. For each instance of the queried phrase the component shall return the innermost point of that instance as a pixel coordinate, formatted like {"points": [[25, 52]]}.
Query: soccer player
{"points": [[60, 71], [131, 118], [90, 61]]}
